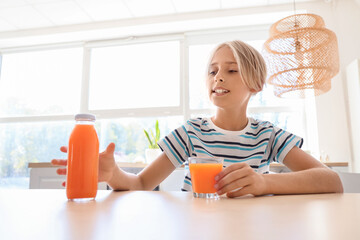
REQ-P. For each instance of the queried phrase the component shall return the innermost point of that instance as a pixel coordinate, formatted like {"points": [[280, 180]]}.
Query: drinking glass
{"points": [[203, 171]]}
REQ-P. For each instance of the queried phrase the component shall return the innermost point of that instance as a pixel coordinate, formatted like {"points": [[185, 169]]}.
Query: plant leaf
{"points": [[153, 137], [157, 129], [148, 137]]}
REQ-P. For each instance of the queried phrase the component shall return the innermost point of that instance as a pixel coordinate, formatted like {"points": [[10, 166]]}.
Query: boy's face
{"points": [[224, 84]]}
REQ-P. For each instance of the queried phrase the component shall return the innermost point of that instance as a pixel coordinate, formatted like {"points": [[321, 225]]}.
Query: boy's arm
{"points": [[308, 176], [147, 179]]}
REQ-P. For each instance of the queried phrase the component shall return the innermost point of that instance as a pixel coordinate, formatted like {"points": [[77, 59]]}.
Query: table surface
{"points": [[47, 214], [142, 165]]}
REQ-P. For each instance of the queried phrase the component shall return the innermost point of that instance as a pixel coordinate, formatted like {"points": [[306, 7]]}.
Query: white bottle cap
{"points": [[85, 117]]}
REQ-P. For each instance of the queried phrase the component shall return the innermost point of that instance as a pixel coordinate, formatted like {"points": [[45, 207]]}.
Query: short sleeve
{"points": [[177, 146], [281, 143]]}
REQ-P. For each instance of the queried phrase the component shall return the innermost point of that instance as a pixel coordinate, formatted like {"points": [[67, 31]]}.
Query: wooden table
{"points": [[143, 165], [46, 214]]}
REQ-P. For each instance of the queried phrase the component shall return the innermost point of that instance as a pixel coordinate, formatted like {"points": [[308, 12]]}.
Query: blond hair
{"points": [[251, 64]]}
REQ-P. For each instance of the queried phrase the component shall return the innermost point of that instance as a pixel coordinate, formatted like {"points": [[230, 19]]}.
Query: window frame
{"points": [[186, 39]]}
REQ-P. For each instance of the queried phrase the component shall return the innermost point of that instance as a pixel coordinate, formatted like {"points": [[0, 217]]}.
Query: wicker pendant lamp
{"points": [[302, 56]]}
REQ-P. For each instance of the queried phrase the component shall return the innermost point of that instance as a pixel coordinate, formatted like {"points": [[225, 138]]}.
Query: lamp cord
{"points": [[296, 23], [297, 43]]}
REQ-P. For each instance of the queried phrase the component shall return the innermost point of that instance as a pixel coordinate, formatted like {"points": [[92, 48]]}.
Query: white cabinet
{"points": [[44, 176], [174, 182]]}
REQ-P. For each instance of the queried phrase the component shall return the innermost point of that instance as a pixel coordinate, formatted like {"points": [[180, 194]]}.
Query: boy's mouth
{"points": [[220, 91]]}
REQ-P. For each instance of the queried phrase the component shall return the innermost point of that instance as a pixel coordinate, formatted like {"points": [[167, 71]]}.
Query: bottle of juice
{"points": [[83, 159]]}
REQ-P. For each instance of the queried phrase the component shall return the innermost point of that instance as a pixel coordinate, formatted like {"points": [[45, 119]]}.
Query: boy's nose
{"points": [[218, 79]]}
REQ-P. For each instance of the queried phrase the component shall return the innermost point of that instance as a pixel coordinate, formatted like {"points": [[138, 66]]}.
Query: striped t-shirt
{"points": [[258, 144]]}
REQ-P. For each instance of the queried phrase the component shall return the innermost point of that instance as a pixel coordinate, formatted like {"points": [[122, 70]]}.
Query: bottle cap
{"points": [[85, 117]]}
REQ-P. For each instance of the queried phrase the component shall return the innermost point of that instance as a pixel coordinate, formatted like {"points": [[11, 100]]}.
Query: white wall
{"points": [[348, 29], [342, 17], [353, 92]]}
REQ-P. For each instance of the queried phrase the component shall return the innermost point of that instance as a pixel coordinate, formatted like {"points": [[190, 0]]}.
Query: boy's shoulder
{"points": [[257, 123], [197, 122]]}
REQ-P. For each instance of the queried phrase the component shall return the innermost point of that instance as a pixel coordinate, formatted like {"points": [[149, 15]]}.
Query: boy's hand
{"points": [[61, 162], [106, 163], [238, 180]]}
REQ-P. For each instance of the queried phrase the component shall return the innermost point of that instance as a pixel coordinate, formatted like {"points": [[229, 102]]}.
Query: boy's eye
{"points": [[212, 73]]}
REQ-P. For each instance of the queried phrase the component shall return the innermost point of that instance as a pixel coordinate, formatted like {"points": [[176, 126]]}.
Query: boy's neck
{"points": [[230, 120]]}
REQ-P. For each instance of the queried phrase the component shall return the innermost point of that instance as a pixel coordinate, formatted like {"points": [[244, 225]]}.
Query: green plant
{"points": [[153, 139]]}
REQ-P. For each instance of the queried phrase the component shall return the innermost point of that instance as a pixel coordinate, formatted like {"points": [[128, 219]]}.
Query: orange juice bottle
{"points": [[83, 159]]}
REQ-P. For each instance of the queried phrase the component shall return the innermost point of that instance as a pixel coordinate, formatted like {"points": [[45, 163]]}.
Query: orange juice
{"points": [[203, 176], [83, 159]]}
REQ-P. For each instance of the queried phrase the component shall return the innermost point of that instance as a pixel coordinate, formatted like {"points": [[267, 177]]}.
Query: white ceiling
{"points": [[18, 15], [28, 23]]}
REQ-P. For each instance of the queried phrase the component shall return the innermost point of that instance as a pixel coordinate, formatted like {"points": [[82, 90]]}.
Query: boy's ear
{"points": [[253, 91]]}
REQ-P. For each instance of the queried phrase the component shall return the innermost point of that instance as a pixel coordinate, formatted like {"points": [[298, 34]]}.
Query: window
{"points": [[22, 143], [35, 84], [128, 86], [198, 60], [128, 135], [40, 82], [135, 76]]}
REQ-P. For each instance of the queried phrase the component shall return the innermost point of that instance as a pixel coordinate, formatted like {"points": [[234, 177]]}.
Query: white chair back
{"points": [[350, 181]]}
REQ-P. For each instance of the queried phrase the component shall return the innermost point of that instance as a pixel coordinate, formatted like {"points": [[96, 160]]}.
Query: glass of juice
{"points": [[203, 171]]}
